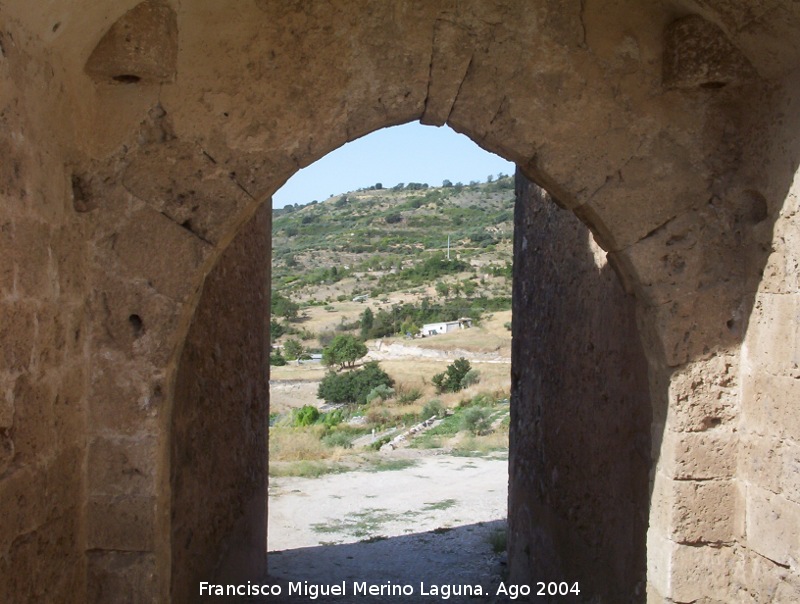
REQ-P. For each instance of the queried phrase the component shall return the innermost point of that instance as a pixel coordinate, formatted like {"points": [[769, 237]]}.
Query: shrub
{"points": [[470, 378], [276, 359], [353, 386], [375, 446], [378, 416], [432, 408], [381, 391], [338, 439], [450, 379], [406, 397], [477, 420], [332, 418], [305, 416], [293, 349]]}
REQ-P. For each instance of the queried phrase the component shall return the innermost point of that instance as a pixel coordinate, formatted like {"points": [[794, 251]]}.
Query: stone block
{"points": [[189, 191], [31, 254], [773, 334], [155, 251], [705, 574], [659, 561], [128, 577], [126, 396], [21, 505], [134, 320], [17, 328], [122, 465], [706, 512], [141, 46], [760, 461], [697, 54], [765, 581], [6, 400], [69, 406], [124, 523], [773, 526], [790, 470], [699, 455], [769, 403], [33, 431], [704, 395]]}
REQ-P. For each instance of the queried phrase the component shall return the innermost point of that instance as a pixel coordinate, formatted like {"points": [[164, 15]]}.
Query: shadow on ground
{"points": [[460, 556]]}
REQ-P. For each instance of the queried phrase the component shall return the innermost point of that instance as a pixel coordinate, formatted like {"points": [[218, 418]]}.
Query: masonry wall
{"points": [[769, 427], [43, 336], [219, 422], [580, 429]]}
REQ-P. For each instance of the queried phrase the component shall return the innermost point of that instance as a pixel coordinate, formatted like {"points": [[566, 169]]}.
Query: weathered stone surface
{"points": [[692, 190], [121, 523], [698, 54], [222, 401], [122, 465], [141, 45], [773, 526], [115, 575], [699, 455], [580, 410], [709, 511]]}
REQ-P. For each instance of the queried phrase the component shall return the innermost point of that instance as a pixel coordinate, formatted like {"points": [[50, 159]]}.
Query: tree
{"points": [[353, 386], [293, 349], [284, 307], [442, 289], [367, 319], [276, 359], [344, 350], [446, 183], [451, 379]]}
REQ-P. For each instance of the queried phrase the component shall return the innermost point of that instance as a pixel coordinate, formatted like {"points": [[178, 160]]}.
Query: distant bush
{"points": [[450, 379], [476, 420], [382, 392], [393, 218], [408, 396], [470, 378], [276, 359], [375, 446], [338, 439], [433, 408], [305, 416], [353, 386], [332, 418]]}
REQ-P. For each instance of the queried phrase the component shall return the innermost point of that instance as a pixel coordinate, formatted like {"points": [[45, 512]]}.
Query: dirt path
{"points": [[432, 524]]}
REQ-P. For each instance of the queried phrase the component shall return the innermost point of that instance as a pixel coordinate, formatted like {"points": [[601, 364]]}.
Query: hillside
{"points": [[369, 241]]}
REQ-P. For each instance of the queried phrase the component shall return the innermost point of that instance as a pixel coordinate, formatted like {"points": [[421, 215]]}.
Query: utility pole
{"points": [[448, 247]]}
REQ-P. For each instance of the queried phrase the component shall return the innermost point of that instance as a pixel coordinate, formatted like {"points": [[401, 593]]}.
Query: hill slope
{"points": [[366, 241]]}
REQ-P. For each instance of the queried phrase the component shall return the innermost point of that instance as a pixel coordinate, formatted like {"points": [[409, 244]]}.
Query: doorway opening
{"points": [[390, 378]]}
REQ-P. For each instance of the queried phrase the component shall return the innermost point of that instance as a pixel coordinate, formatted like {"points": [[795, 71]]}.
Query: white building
{"points": [[435, 329]]}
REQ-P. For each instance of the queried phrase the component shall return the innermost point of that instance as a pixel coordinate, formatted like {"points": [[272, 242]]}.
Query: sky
{"points": [[409, 153]]}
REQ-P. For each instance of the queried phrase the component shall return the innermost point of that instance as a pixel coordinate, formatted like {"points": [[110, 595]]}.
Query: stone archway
{"points": [[187, 117]]}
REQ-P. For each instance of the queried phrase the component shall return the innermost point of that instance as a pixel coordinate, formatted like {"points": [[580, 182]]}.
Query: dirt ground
{"points": [[435, 523]]}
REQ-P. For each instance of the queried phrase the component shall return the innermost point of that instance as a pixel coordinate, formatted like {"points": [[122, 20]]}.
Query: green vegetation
{"points": [[445, 504], [353, 386], [404, 228], [453, 379], [344, 350]]}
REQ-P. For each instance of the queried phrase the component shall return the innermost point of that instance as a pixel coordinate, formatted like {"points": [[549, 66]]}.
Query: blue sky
{"points": [[409, 153]]}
